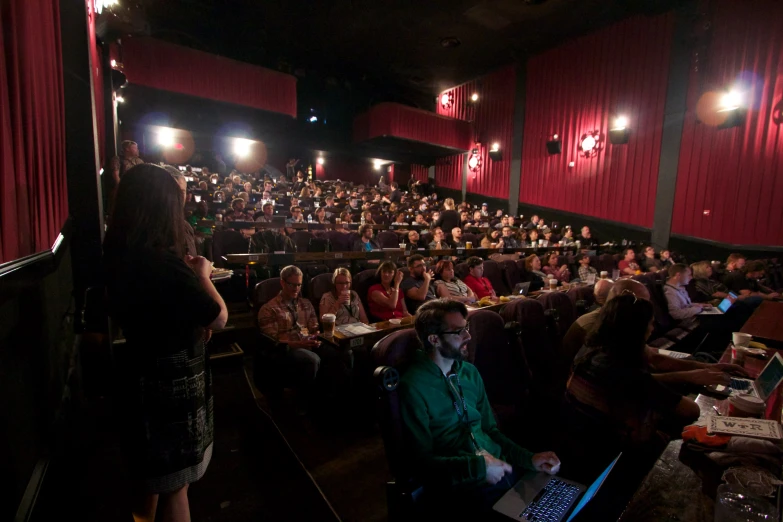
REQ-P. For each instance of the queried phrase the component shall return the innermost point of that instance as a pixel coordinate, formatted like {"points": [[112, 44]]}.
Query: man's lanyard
{"points": [[295, 314], [462, 414]]}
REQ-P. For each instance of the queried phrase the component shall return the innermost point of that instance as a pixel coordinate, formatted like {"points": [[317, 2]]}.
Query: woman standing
{"points": [[341, 301], [165, 307]]}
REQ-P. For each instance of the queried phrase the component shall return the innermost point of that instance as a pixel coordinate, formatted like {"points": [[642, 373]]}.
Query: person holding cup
{"points": [[341, 301]]}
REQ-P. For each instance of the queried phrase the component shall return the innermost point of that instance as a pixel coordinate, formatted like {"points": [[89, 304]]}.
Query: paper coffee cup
{"points": [[741, 339]]}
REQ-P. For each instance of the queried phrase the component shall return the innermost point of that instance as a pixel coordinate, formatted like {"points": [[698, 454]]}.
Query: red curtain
{"points": [[33, 192], [170, 67], [96, 57], [493, 122], [419, 173], [359, 171], [730, 181], [582, 86], [448, 172], [400, 121]]}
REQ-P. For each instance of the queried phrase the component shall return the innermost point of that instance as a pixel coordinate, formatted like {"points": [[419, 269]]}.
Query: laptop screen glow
{"points": [[724, 305], [770, 377], [592, 490]]}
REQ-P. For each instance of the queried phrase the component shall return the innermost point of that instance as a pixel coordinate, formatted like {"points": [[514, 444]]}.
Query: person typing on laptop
{"points": [[455, 447], [680, 306]]}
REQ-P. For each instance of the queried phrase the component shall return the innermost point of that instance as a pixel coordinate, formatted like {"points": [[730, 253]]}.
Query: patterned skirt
{"points": [[165, 409]]}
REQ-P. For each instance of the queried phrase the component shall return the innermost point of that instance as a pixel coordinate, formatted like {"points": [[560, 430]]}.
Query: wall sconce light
{"points": [[732, 104], [474, 162], [590, 143], [494, 152], [320, 161], [447, 100], [474, 97], [554, 145], [620, 133]]}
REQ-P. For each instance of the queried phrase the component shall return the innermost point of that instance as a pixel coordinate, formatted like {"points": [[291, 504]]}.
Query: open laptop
{"points": [[522, 288], [722, 308], [539, 496], [769, 379]]}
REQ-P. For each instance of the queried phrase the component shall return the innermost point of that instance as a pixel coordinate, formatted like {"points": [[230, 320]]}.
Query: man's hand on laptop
{"points": [[708, 377], [496, 468], [546, 462], [731, 369]]}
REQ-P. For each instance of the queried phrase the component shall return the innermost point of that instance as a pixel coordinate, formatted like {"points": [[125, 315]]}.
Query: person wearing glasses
{"points": [[341, 301], [292, 321], [453, 443]]}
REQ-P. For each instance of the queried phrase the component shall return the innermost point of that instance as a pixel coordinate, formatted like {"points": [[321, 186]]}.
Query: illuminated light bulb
{"points": [[377, 164], [495, 146], [320, 161], [621, 122], [474, 97], [120, 99], [114, 63], [555, 137], [166, 137], [731, 100], [242, 147]]}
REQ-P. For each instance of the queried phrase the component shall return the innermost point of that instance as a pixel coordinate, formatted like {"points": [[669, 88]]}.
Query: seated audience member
{"points": [[476, 281], [320, 216], [365, 243], [533, 267], [484, 210], [561, 273], [435, 216], [666, 259], [476, 221], [284, 319], [415, 240], [244, 196], [421, 221], [533, 223], [568, 237], [417, 287], [586, 240], [735, 262], [296, 216], [584, 267], [450, 287], [201, 213], [464, 219], [612, 402], [238, 211], [492, 236], [706, 287], [533, 237], [628, 265], [548, 237], [503, 222], [679, 303], [384, 298], [438, 240], [341, 301], [400, 219], [649, 263], [268, 212], [270, 241], [508, 240], [367, 215], [498, 214], [346, 217], [463, 461], [744, 282], [521, 237], [456, 238]]}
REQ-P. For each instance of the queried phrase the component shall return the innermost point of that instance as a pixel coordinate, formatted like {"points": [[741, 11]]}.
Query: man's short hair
{"points": [[415, 257], [267, 204], [127, 144], [296, 208], [754, 266], [679, 268], [584, 256], [733, 258], [290, 270], [364, 227], [431, 318], [473, 262], [394, 185], [236, 200]]}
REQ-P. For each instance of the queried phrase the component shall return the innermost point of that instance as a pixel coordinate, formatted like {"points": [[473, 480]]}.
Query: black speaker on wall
{"points": [[554, 146], [496, 155], [619, 136]]}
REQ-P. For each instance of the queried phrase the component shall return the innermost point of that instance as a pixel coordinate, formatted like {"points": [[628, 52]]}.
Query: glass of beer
{"points": [[328, 321], [604, 274], [553, 284], [468, 244]]}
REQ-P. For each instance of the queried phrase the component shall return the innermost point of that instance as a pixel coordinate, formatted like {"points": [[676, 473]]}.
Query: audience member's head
{"points": [[456, 233], [679, 274], [444, 266], [586, 232], [701, 270], [630, 254], [386, 272], [238, 204], [601, 290], [448, 204], [365, 231], [413, 237], [735, 262], [624, 286], [475, 266], [584, 260], [290, 282], [754, 270], [416, 266], [649, 252], [623, 327], [532, 263], [441, 325], [130, 149]]}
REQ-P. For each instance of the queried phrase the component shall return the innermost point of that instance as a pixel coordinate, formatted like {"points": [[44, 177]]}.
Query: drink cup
{"points": [[402, 247], [337, 221], [540, 242], [219, 217], [741, 339], [468, 244], [553, 284], [604, 274], [196, 198], [493, 245], [328, 321]]}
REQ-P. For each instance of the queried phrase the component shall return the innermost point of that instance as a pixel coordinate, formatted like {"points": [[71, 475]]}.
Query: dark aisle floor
{"points": [[253, 475]]}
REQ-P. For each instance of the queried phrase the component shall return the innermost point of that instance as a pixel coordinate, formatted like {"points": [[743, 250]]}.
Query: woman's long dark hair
{"points": [[147, 213], [621, 329]]}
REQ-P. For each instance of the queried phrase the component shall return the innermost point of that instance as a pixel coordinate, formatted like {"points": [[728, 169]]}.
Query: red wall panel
{"points": [[493, 120], [730, 181], [161, 65], [582, 86], [448, 172], [419, 173], [359, 171]]}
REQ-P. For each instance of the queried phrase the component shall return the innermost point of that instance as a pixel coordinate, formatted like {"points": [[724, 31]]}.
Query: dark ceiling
{"points": [[393, 47]]}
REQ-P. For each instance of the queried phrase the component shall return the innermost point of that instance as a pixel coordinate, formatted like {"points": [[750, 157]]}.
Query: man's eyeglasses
{"points": [[417, 266], [295, 285], [460, 332]]}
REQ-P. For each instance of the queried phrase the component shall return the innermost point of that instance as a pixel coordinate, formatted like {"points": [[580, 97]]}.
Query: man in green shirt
{"points": [[453, 441]]}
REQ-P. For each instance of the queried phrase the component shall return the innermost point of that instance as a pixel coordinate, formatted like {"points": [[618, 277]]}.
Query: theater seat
{"points": [[461, 271], [265, 291], [566, 310], [511, 274], [494, 274], [338, 240], [301, 239], [583, 295], [227, 242], [388, 239], [362, 283], [317, 287]]}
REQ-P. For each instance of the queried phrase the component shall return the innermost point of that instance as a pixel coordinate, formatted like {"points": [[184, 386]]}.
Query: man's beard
{"points": [[457, 354]]}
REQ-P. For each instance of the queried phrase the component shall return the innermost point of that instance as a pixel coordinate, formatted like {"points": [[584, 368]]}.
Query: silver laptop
{"points": [[539, 496], [722, 308], [769, 379]]}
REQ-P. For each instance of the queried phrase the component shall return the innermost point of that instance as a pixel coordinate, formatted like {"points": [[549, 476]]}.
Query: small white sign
{"points": [[765, 429]]}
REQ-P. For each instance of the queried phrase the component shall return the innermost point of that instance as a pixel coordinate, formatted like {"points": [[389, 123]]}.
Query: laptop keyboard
{"points": [[742, 386], [551, 503]]}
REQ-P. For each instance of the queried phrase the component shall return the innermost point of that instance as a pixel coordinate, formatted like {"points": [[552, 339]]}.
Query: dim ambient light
{"points": [[320, 161], [242, 147]]}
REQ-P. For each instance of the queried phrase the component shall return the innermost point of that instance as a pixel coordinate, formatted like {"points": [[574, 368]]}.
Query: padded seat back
{"points": [[388, 239], [493, 272], [227, 242], [317, 287], [301, 239]]}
